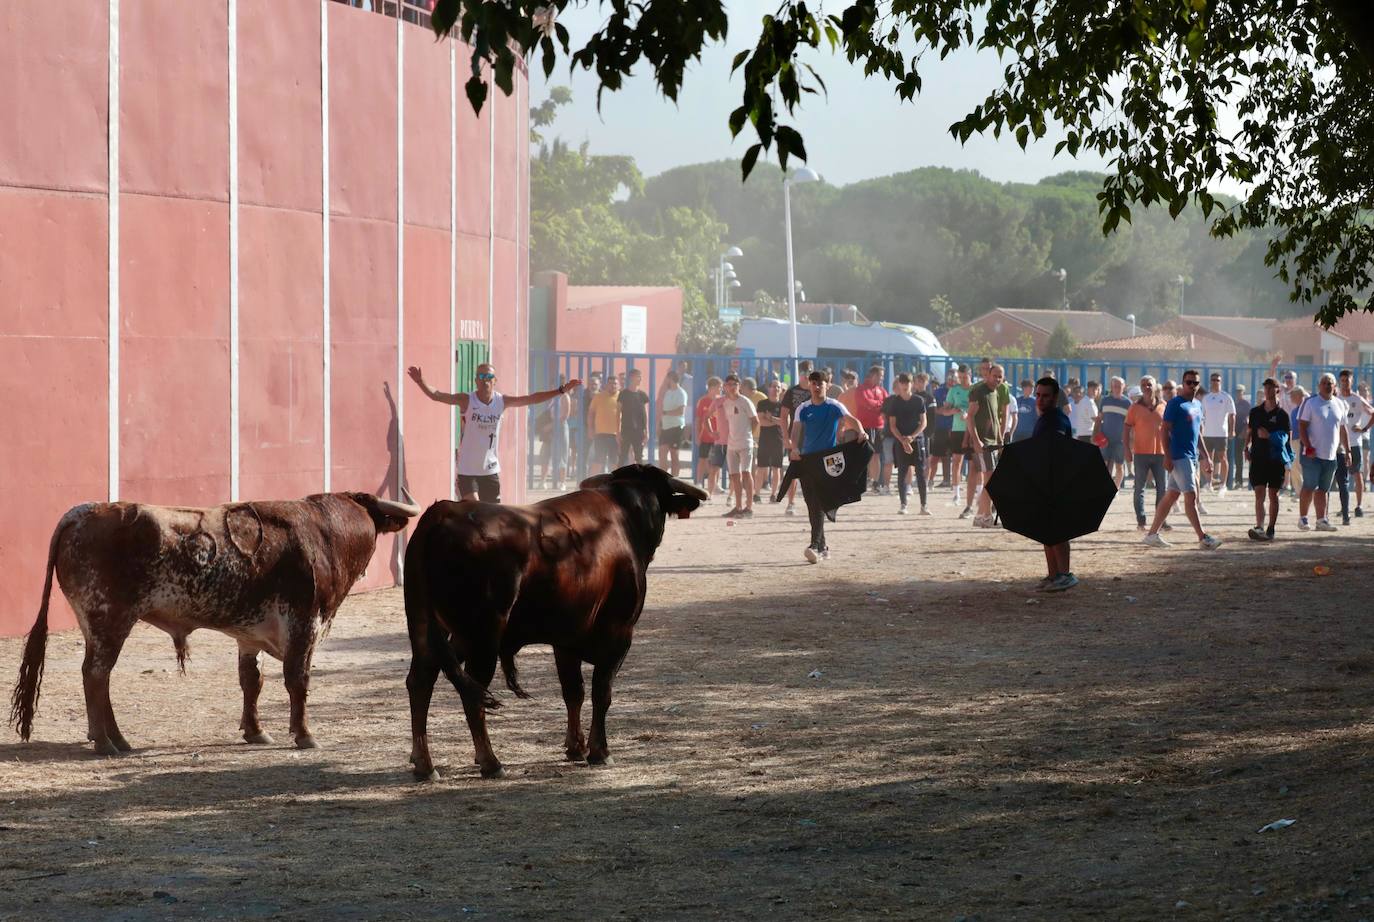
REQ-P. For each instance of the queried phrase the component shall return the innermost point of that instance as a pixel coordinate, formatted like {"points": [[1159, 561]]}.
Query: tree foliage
{"points": [[1146, 84], [1061, 344]]}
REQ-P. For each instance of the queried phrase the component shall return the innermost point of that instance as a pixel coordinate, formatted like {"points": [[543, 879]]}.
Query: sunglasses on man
{"points": [[486, 376]]}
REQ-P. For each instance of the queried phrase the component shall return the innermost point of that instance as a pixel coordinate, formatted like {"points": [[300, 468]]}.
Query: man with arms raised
{"points": [[479, 467]]}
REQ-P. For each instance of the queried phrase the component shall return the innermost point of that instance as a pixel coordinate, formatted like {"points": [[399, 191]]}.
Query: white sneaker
{"points": [[1324, 525], [1208, 543], [1201, 509], [825, 554], [790, 510], [968, 511], [982, 521], [924, 511], [1154, 540], [1221, 493], [1302, 524], [811, 555], [901, 510], [956, 499]]}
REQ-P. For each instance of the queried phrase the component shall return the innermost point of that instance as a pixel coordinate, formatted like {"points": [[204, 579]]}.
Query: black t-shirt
{"points": [[929, 400], [906, 413], [634, 411], [796, 396], [769, 434], [1275, 420]]}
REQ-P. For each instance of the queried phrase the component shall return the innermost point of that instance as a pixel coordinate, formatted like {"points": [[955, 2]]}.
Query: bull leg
{"points": [[250, 680], [570, 678], [102, 652], [296, 670], [420, 684], [480, 669], [603, 674]]}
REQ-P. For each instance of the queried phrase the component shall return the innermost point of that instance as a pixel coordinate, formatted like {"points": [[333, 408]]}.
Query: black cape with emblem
{"points": [[830, 478]]}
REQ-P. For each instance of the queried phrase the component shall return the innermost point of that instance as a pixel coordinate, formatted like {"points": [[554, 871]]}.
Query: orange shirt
{"points": [[1145, 424]]}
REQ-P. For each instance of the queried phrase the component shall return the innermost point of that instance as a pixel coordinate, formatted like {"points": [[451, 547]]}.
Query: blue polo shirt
{"points": [[1185, 420], [942, 422], [1114, 410], [822, 422], [1025, 418]]}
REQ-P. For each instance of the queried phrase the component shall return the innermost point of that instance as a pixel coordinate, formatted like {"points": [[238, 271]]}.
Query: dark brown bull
{"points": [[271, 575], [482, 581]]}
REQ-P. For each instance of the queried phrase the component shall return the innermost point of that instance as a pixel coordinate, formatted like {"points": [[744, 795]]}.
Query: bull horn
{"points": [[682, 486], [393, 508]]}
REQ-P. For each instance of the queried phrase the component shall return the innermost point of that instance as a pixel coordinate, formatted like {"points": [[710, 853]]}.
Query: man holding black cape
{"points": [[815, 428]]}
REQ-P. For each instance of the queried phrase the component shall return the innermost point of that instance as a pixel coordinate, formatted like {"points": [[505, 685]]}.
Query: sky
{"points": [[859, 131]]}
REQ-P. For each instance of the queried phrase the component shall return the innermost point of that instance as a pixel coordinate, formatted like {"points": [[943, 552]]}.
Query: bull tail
{"points": [[24, 700], [509, 671]]}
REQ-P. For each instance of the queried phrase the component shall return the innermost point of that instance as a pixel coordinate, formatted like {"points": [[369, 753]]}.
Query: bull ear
{"points": [[597, 480], [682, 505]]}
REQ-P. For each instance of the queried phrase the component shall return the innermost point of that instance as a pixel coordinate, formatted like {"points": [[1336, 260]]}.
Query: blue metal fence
{"points": [[548, 368]]}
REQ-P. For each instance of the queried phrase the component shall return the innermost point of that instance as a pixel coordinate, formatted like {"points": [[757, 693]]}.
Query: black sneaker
{"points": [[1345, 518], [1269, 533], [1359, 513]]}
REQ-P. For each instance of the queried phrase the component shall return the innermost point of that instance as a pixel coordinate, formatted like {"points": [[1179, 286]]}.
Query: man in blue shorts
{"points": [[1179, 433], [816, 428]]}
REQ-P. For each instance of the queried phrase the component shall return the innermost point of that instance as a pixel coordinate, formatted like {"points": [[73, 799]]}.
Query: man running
{"points": [[1265, 454], [817, 426], [1180, 435], [793, 399], [479, 466]]}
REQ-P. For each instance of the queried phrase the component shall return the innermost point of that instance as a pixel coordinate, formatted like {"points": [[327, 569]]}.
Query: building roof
{"points": [[1086, 326], [582, 297], [1341, 330], [1254, 333], [1159, 342]]}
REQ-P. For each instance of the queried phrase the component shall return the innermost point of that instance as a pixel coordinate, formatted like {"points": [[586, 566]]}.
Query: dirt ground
{"points": [[904, 730]]}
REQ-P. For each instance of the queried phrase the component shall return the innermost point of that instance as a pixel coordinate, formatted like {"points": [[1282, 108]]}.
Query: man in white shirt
{"points": [[672, 421], [735, 414], [1085, 412], [1321, 427], [1358, 414], [479, 466], [1218, 429]]}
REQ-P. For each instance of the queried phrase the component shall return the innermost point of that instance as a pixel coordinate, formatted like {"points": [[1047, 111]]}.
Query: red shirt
{"points": [[868, 405], [703, 415]]}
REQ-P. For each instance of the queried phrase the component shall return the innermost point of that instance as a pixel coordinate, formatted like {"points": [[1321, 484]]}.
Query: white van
{"points": [[770, 337]]}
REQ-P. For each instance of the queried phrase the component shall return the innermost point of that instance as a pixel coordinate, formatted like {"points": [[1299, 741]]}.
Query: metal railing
{"points": [[549, 368], [412, 11]]}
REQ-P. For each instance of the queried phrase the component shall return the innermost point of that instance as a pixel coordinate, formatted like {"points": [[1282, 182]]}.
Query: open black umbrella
{"points": [[1052, 488]]}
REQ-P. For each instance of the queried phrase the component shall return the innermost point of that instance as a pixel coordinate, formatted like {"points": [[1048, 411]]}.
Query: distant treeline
{"points": [[891, 245]]}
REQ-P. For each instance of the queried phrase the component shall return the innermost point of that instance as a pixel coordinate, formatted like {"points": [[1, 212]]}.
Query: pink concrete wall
{"points": [[597, 328], [175, 334]]}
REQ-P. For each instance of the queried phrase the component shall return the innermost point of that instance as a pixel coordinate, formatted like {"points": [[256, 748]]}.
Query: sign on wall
{"points": [[634, 328]]}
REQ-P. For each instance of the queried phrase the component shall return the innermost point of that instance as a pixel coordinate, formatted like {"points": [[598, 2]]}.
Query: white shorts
{"points": [[739, 460], [1183, 478]]}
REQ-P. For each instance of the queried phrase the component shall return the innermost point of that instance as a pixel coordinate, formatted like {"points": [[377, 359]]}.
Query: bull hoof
{"points": [[601, 759], [431, 775], [306, 741], [103, 747], [121, 743], [261, 738], [577, 755], [496, 771]]}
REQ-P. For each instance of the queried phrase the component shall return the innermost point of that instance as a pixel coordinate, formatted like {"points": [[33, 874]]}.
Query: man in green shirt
{"points": [[956, 406], [987, 409]]}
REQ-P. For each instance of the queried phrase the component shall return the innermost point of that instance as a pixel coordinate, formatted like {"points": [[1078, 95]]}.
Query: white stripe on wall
{"points": [[233, 251], [452, 261], [326, 331], [491, 221], [400, 258], [112, 142]]}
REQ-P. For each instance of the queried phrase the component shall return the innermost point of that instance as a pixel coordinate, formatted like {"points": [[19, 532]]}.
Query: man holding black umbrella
{"points": [[1053, 423]]}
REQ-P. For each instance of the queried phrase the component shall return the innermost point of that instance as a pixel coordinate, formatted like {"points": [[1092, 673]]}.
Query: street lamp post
{"points": [[1063, 276], [1182, 283], [1131, 318], [804, 174], [723, 274]]}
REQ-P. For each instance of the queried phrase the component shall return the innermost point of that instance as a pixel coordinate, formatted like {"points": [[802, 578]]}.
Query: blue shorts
{"points": [[1114, 452], [1183, 478], [1317, 473]]}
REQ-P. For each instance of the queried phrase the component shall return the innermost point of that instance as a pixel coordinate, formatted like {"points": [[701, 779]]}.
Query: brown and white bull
{"points": [[269, 574]]}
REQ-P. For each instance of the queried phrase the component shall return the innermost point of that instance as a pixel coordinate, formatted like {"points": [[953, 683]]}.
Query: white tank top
{"points": [[481, 433]]}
